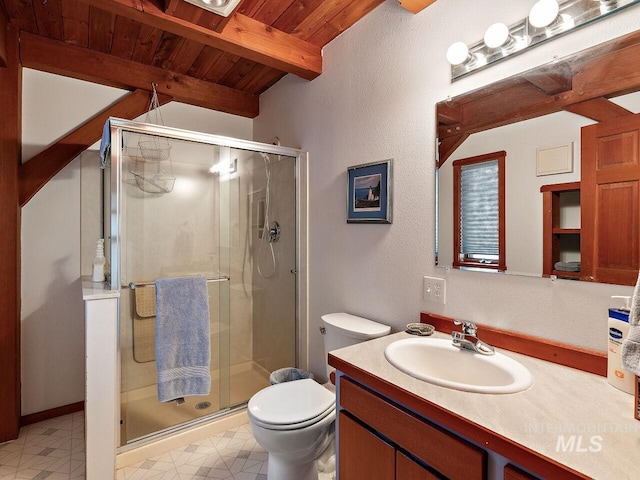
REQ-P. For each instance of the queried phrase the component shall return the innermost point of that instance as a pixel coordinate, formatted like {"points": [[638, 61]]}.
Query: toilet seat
{"points": [[291, 405]]}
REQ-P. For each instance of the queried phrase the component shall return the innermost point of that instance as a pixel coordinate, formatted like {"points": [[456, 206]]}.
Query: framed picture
{"points": [[369, 191]]}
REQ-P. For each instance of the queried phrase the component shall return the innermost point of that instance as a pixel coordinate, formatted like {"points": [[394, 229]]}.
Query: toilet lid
{"points": [[291, 403]]}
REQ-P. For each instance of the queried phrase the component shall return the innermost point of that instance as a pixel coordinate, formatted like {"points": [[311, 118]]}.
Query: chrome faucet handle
{"points": [[468, 328]]}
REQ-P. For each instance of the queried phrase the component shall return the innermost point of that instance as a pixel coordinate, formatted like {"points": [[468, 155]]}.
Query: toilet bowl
{"points": [[295, 421]]}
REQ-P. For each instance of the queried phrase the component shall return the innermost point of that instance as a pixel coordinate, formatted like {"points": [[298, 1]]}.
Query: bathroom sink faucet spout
{"points": [[468, 340]]}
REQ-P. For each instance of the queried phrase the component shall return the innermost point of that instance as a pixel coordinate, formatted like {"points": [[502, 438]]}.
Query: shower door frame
{"points": [[118, 126]]}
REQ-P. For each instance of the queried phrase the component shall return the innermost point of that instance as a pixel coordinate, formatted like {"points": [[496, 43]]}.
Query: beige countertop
{"points": [[97, 290], [561, 402]]}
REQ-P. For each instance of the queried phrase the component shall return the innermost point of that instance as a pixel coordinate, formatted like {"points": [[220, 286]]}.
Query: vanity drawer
{"points": [[441, 450]]}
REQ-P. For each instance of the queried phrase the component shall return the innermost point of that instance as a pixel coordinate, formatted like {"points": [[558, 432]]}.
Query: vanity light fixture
{"points": [[497, 35], [547, 19], [458, 53], [543, 13], [219, 7]]}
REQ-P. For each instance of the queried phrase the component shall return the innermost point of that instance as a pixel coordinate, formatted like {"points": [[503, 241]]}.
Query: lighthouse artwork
{"points": [[367, 193], [369, 189]]}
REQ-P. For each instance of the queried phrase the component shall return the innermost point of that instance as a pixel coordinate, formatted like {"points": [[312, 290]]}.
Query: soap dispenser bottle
{"points": [[617, 332], [98, 262]]}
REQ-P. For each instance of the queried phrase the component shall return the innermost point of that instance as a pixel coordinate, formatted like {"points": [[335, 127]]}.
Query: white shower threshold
{"points": [[181, 438], [144, 417]]}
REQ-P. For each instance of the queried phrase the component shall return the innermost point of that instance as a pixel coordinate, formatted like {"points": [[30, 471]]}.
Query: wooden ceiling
{"points": [[192, 55]]}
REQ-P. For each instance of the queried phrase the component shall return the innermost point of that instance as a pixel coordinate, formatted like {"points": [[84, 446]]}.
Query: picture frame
{"points": [[369, 192]]}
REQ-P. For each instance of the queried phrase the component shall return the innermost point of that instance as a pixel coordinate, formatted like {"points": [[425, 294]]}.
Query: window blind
{"points": [[479, 216]]}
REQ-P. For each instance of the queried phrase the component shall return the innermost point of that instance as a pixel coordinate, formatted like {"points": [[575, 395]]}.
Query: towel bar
{"points": [[134, 285]]}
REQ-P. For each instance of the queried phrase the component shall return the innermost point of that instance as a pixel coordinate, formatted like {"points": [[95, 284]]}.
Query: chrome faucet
{"points": [[468, 340]]}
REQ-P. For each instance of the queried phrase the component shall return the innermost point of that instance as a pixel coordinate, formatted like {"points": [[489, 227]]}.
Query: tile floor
{"points": [[54, 450]]}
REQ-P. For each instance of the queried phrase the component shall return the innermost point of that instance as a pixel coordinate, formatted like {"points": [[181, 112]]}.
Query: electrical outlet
{"points": [[435, 290]]}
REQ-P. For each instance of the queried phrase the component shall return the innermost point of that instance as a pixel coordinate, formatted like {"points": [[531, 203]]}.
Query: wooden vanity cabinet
{"points": [[514, 473], [379, 440]]}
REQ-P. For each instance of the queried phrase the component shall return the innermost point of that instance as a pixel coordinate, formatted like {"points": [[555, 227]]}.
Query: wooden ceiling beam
{"points": [[35, 173], [170, 6], [242, 36], [57, 57], [599, 109], [449, 114], [415, 6], [552, 80]]}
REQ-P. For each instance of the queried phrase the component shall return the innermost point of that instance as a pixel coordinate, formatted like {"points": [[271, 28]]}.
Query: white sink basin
{"points": [[437, 361]]}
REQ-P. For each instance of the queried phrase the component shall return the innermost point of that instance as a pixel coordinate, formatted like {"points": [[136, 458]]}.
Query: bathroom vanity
{"points": [[569, 424]]}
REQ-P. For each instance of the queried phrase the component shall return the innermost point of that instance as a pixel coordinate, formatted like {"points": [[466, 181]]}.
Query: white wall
{"points": [[52, 310], [375, 100]]}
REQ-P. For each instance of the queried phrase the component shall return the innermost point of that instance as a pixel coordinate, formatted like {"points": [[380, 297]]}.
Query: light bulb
{"points": [[496, 35], [543, 13], [216, 3], [457, 53]]}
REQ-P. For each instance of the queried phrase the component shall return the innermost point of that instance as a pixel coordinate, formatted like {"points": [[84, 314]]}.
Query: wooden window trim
{"points": [[500, 265]]}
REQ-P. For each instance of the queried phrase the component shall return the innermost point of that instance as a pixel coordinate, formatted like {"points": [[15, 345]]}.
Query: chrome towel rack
{"points": [[133, 285]]}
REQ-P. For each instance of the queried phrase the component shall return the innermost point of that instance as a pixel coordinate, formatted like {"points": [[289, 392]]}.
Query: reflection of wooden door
{"points": [[610, 183]]}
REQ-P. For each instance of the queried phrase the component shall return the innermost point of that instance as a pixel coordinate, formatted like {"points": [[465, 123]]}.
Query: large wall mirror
{"points": [[539, 174]]}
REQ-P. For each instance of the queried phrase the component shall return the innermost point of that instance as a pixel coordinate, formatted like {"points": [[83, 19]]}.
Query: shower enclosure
{"points": [[183, 203]]}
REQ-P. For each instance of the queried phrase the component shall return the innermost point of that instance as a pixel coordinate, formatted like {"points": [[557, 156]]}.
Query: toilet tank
{"points": [[344, 329]]}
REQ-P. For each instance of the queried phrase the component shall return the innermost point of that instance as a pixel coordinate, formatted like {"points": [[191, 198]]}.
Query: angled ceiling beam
{"points": [[599, 109], [69, 60], [242, 36], [448, 145], [34, 174], [415, 6]]}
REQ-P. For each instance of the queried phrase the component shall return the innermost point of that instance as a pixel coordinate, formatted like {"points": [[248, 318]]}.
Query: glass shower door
{"points": [[174, 222], [189, 204]]}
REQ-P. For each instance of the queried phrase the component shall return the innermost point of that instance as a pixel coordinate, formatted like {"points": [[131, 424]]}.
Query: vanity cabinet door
{"points": [[362, 454], [407, 469], [514, 473]]}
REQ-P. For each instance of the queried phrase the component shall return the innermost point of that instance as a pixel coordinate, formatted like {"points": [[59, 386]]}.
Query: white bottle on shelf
{"points": [[98, 262]]}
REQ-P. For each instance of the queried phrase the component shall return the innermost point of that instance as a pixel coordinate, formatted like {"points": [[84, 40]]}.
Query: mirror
{"points": [[536, 118]]}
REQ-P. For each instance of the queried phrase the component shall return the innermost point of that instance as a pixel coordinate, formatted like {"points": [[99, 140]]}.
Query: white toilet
{"points": [[294, 421]]}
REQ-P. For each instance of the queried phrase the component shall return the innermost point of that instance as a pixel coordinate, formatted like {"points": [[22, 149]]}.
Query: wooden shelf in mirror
{"points": [[557, 240]]}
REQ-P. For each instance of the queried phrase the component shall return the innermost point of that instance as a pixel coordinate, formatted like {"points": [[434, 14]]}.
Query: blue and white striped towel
{"points": [[183, 347]]}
